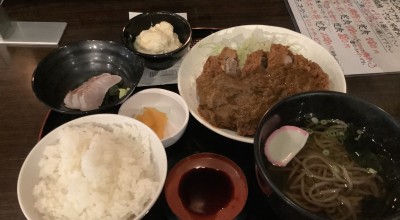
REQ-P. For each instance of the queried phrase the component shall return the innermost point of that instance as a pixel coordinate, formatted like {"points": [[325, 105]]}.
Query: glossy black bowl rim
{"points": [[75, 43], [161, 55], [257, 147]]}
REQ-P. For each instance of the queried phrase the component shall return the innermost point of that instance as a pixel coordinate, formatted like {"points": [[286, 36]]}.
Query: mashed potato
{"points": [[157, 39], [96, 172]]}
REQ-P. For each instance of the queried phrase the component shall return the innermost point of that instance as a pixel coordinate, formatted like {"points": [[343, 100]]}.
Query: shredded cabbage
{"points": [[250, 45], [258, 40]]}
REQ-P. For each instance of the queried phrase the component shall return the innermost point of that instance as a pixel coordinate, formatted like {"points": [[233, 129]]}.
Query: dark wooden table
{"points": [[22, 115]]}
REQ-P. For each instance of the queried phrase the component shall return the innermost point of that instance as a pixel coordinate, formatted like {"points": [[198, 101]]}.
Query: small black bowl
{"points": [[382, 133], [67, 67], [146, 20]]}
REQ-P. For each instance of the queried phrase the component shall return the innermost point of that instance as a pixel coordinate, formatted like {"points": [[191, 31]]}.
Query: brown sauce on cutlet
{"points": [[238, 101]]}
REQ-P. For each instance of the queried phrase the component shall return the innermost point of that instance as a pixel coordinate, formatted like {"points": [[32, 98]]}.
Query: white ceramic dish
{"points": [[29, 173], [165, 101], [192, 65]]}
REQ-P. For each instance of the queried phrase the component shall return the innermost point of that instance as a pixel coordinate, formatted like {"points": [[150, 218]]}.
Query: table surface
{"points": [[22, 115]]}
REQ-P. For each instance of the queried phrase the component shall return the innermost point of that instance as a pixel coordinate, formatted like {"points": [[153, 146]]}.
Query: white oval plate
{"points": [[192, 64]]}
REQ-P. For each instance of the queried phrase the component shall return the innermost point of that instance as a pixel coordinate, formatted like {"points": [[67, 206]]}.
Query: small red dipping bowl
{"points": [[206, 186]]}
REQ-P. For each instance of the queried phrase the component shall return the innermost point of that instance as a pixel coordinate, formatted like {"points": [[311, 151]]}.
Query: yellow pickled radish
{"points": [[284, 143], [154, 119]]}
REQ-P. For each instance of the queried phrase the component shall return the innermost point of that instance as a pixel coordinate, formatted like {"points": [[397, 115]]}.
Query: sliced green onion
{"points": [[123, 92]]}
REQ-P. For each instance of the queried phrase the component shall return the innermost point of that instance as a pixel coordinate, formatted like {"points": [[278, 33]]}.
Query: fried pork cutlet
{"points": [[256, 62], [236, 99]]}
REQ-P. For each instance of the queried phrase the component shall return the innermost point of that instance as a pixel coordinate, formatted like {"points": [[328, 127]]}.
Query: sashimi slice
{"points": [[91, 93], [284, 143]]}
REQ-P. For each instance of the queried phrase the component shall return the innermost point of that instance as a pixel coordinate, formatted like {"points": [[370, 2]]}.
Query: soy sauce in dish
{"points": [[205, 191]]}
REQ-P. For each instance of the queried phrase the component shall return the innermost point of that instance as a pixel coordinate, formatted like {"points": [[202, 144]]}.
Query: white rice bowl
{"points": [[103, 166]]}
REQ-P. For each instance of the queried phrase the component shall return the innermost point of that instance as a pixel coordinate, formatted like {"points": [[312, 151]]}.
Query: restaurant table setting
{"points": [[144, 112]]}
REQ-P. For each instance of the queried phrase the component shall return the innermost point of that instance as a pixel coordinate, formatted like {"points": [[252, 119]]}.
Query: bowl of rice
{"points": [[102, 166]]}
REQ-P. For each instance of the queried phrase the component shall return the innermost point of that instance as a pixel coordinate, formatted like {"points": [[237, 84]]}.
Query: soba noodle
{"points": [[324, 179]]}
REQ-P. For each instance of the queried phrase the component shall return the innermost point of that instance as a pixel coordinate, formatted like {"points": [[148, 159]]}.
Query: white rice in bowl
{"points": [[96, 171]]}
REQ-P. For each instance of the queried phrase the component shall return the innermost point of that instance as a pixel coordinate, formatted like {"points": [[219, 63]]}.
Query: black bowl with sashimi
{"points": [[346, 169], [87, 77]]}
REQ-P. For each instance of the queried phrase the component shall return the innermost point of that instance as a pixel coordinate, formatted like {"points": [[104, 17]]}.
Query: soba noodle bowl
{"points": [[324, 179]]}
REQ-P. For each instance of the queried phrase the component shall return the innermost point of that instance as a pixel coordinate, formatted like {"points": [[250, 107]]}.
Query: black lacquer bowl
{"points": [[381, 136], [146, 20], [67, 67]]}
